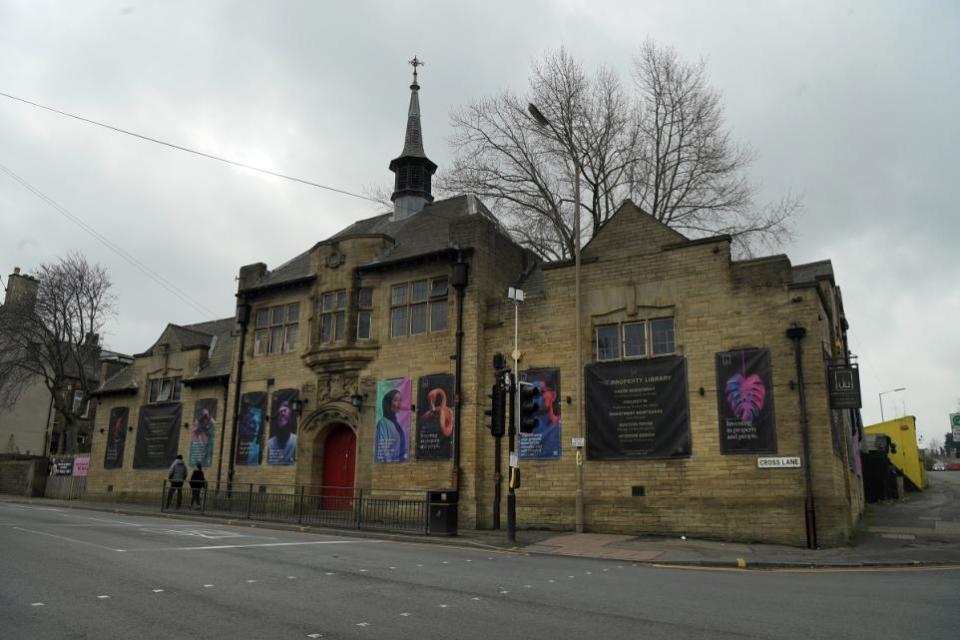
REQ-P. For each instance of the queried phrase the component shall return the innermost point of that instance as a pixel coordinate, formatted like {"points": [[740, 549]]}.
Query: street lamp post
{"points": [[544, 122], [883, 393]]}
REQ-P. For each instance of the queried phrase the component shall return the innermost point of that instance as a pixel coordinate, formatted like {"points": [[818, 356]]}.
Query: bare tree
{"points": [[665, 145], [51, 335]]}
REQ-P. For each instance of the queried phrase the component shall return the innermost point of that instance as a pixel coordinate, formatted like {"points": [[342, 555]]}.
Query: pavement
{"points": [[920, 530]]}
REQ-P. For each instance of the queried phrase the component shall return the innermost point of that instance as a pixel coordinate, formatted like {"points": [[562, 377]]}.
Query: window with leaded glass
{"points": [[277, 329], [333, 315], [364, 312], [418, 307]]}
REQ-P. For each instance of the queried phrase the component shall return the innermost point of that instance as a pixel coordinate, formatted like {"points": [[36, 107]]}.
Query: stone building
{"points": [[348, 362]]}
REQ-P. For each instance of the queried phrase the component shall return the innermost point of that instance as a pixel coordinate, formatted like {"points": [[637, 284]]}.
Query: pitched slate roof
{"points": [[425, 233], [123, 380], [220, 357]]}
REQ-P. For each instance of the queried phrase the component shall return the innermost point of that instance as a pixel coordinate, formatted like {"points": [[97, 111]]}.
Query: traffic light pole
{"points": [[497, 479]]}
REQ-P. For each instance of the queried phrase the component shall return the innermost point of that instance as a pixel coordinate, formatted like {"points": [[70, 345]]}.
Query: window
{"points": [[333, 315], [636, 340], [77, 399], [364, 312], [418, 307], [608, 342], [663, 342], [277, 329], [165, 390]]}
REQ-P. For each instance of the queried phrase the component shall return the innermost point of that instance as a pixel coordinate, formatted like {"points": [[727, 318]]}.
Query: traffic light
{"points": [[529, 406], [497, 410]]}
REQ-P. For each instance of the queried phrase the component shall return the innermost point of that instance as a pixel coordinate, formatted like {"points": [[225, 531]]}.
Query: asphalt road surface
{"points": [[70, 573]]}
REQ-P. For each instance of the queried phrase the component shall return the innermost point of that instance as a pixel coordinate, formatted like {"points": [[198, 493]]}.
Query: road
{"points": [[71, 573]]}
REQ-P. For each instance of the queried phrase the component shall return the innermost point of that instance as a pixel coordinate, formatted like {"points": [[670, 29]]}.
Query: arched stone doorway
{"points": [[335, 466]]}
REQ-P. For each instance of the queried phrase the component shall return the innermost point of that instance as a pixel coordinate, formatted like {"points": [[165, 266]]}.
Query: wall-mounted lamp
{"points": [[186, 425], [299, 405], [357, 401], [101, 429], [130, 429]]}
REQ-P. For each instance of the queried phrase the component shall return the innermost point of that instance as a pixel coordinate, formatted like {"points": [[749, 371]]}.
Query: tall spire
{"points": [[412, 168]]}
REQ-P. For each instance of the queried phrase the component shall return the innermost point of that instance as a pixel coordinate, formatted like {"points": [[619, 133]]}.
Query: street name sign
{"points": [[779, 462]]}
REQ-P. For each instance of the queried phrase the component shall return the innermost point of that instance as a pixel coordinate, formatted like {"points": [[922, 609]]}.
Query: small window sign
{"points": [[577, 443]]}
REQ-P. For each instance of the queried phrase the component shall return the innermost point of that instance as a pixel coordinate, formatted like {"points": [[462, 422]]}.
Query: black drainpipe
{"points": [[243, 317], [460, 284], [226, 400], [797, 333]]}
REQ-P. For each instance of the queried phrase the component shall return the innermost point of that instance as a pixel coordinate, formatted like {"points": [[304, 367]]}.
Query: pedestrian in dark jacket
{"points": [[178, 473], [197, 482]]}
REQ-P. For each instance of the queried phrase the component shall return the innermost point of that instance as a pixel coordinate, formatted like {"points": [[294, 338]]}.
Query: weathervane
{"points": [[415, 63]]}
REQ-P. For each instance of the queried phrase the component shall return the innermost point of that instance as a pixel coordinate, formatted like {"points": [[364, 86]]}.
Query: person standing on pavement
{"points": [[197, 482], [177, 474]]}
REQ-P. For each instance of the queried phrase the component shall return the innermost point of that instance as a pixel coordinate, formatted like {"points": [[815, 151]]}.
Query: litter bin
{"points": [[442, 512]]}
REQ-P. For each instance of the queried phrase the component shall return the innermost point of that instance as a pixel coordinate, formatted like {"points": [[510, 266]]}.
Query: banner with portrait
{"points": [[253, 409], [638, 410], [435, 417], [203, 432], [282, 445], [158, 436], [392, 442], [116, 438], [544, 442], [745, 402]]}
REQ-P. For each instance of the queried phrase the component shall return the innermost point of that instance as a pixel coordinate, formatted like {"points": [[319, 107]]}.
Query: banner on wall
{"points": [[435, 417], [282, 445], [116, 438], [745, 402], [637, 410], [393, 420], [203, 432], [544, 442], [158, 436], [253, 408]]}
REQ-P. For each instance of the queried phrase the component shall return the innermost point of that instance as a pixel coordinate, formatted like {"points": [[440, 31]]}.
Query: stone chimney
{"points": [[21, 290]]}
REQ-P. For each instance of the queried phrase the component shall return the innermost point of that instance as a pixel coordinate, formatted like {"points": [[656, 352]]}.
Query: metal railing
{"points": [[401, 510]]}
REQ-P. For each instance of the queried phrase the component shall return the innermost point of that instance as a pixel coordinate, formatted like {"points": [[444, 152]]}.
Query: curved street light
{"points": [[883, 393]]}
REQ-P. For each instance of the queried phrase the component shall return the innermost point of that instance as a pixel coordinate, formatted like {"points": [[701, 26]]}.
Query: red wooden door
{"points": [[339, 464]]}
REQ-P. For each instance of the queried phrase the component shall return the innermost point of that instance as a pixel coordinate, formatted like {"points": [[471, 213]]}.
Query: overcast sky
{"points": [[853, 104]]}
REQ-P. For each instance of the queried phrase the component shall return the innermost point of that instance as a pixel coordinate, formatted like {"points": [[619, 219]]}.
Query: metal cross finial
{"points": [[416, 62]]}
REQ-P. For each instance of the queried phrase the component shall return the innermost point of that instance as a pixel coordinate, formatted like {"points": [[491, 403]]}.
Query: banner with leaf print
{"points": [[745, 402]]}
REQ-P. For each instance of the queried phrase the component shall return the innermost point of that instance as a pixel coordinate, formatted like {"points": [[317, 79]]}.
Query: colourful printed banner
{"points": [[203, 432], [435, 417], [393, 420], [116, 438], [544, 442], [282, 445], [253, 406], [745, 400]]}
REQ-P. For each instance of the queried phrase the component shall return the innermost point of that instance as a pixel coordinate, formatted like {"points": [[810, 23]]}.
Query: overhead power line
{"points": [[150, 273], [189, 150]]}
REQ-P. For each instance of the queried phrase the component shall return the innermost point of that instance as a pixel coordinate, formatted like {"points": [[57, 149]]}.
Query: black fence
{"points": [[398, 510]]}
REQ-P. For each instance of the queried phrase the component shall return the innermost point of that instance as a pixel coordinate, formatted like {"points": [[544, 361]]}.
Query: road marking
{"points": [[158, 590], [469, 560], [475, 598], [207, 586], [103, 597], [504, 592], [43, 533], [551, 580], [392, 568], [291, 577], [314, 635], [132, 524], [258, 544], [250, 581], [528, 586], [419, 565], [405, 614], [589, 573], [444, 562], [36, 604], [328, 573], [363, 570], [363, 624], [444, 606]]}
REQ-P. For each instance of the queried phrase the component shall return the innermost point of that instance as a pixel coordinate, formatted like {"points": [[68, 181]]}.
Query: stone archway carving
{"points": [[315, 429]]}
